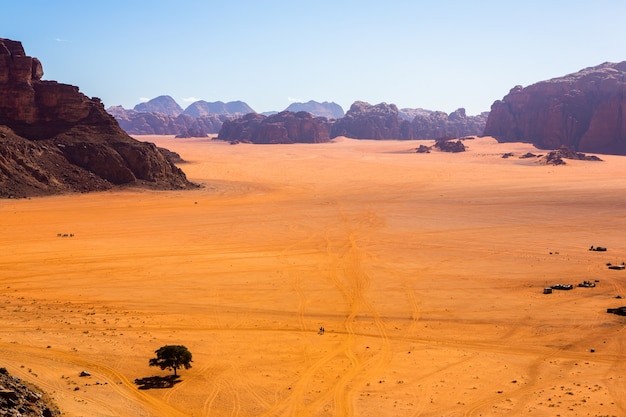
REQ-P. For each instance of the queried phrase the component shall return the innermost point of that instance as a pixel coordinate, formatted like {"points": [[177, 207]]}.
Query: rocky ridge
{"points": [[585, 111], [54, 139], [201, 118], [152, 123], [18, 399]]}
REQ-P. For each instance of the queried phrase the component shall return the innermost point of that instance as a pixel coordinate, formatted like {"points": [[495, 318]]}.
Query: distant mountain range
{"points": [[161, 104], [325, 109], [164, 116]]}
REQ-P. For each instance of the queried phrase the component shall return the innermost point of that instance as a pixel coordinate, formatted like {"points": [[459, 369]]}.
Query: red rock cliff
{"points": [[585, 111], [55, 139]]}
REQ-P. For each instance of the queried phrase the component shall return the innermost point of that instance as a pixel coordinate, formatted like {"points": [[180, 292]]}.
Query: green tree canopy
{"points": [[172, 357]]}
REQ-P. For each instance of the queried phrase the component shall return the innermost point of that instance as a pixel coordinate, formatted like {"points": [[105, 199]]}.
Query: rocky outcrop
{"points": [[557, 156], [161, 104], [439, 125], [450, 146], [385, 121], [585, 111], [18, 399], [54, 139], [284, 127], [366, 121], [325, 109]]}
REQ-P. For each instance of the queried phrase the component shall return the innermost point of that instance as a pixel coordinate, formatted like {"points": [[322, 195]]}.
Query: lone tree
{"points": [[172, 357]]}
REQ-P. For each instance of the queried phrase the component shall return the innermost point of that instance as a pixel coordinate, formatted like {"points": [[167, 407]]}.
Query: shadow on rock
{"points": [[157, 381]]}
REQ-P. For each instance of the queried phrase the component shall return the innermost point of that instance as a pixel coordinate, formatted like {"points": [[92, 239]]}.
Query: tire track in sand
{"points": [[347, 275]]}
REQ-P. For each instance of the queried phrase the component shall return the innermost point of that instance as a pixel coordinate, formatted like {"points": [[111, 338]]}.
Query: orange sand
{"points": [[426, 271]]}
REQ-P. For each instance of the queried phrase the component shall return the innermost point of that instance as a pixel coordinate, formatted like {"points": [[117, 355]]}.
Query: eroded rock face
{"points": [[54, 139], [284, 127], [366, 121], [385, 121], [439, 125], [585, 111]]}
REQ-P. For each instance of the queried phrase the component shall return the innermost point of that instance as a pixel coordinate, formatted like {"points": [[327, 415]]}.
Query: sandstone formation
{"points": [[585, 111], [284, 127], [325, 109], [557, 156], [362, 121], [385, 121], [55, 139], [161, 104], [366, 121], [439, 125]]}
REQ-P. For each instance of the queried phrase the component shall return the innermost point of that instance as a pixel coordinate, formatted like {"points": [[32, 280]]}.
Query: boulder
{"points": [[585, 111], [450, 146]]}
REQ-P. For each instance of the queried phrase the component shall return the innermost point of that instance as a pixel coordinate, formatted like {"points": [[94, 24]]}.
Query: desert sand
{"points": [[426, 271]]}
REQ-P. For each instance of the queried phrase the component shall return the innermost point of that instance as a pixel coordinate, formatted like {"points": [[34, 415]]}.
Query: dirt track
{"points": [[426, 270]]}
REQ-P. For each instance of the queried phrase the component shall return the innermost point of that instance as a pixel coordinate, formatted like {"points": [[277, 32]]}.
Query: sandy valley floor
{"points": [[426, 271]]}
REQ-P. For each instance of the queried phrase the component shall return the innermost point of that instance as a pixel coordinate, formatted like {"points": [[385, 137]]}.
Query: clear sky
{"points": [[437, 55]]}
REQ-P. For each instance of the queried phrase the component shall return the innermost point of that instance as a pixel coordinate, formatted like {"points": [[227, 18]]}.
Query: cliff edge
{"points": [[585, 111], [54, 139]]}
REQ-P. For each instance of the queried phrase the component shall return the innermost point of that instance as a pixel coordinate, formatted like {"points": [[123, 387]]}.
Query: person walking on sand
{"points": [[322, 330]]}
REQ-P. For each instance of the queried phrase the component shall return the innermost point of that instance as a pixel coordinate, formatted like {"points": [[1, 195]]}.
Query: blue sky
{"points": [[437, 55]]}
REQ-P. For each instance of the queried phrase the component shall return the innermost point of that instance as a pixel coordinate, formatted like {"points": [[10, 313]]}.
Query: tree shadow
{"points": [[151, 382]]}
